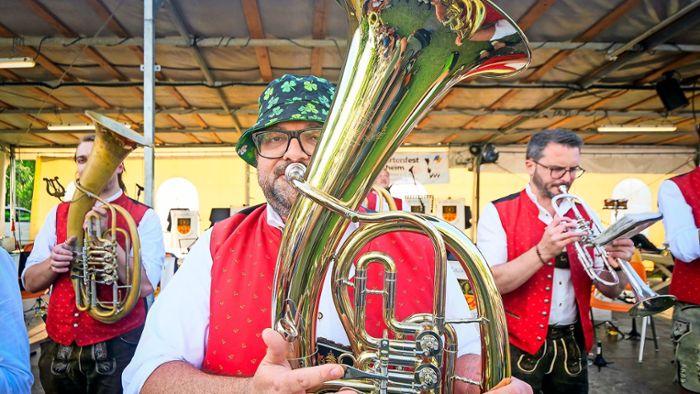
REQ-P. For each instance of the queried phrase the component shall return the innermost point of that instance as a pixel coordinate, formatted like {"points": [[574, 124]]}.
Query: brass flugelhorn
{"points": [[403, 57], [588, 249], [94, 271]]}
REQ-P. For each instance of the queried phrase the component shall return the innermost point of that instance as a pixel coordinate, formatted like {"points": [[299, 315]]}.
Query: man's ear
{"points": [[120, 168], [530, 167]]}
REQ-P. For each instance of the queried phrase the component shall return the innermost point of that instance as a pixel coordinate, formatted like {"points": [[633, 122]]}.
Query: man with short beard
{"points": [[209, 331], [546, 292]]}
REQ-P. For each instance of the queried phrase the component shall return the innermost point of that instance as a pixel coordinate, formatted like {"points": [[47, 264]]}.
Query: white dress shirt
{"points": [[492, 242], [150, 235], [679, 223], [177, 327]]}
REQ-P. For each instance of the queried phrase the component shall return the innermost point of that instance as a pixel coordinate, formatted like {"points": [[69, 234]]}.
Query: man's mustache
{"points": [[280, 169]]}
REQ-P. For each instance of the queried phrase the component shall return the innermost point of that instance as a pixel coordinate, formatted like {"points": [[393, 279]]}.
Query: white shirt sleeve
{"points": [[152, 247], [177, 325], [679, 224], [44, 242], [491, 237]]}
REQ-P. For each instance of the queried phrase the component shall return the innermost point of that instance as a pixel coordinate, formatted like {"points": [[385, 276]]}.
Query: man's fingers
{"points": [[276, 347], [625, 244], [60, 266], [555, 220], [303, 379], [62, 251], [567, 237], [64, 258]]}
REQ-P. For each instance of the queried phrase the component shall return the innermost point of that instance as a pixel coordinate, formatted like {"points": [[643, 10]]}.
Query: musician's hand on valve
{"points": [[61, 256], [274, 375], [101, 212], [620, 249], [557, 235]]}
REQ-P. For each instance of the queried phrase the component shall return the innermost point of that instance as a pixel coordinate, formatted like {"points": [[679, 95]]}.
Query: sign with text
{"points": [[423, 168]]}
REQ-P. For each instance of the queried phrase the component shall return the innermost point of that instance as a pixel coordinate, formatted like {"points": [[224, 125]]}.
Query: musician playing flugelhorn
{"points": [[546, 292], [83, 354], [210, 331]]}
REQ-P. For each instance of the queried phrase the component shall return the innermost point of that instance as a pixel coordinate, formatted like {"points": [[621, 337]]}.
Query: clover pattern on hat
{"points": [[289, 97]]}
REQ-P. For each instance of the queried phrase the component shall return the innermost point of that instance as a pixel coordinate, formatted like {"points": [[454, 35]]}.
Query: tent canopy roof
{"points": [[88, 57]]}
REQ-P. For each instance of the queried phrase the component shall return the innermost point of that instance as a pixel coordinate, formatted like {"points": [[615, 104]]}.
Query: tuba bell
{"points": [[403, 57], [94, 268], [647, 301]]}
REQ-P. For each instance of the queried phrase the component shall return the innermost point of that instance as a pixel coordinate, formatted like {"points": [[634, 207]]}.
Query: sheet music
{"points": [[628, 226]]}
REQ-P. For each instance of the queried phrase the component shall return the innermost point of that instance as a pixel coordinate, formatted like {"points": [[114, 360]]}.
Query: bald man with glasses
{"points": [[546, 292]]}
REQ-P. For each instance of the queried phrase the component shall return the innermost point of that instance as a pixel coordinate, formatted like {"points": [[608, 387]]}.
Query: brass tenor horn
{"points": [[648, 302], [94, 269], [402, 59]]}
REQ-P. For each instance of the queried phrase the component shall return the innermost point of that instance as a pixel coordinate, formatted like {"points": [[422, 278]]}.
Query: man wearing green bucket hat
{"points": [[209, 329]]}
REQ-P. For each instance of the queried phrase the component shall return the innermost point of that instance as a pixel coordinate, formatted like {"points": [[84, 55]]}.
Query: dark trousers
{"points": [[559, 366], [90, 369]]}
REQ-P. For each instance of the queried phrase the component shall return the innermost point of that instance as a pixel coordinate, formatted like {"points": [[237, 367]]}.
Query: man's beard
{"points": [[544, 189], [279, 193]]}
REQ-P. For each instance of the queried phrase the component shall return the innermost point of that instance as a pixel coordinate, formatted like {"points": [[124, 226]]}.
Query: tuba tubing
{"points": [[403, 57], [95, 263]]}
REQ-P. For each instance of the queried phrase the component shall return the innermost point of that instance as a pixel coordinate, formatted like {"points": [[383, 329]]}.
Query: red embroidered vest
{"points": [[64, 322], [244, 251], [686, 275], [527, 307]]}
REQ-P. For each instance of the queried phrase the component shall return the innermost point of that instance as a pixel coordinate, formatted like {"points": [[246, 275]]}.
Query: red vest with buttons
{"points": [[686, 275], [244, 252], [64, 323], [527, 307]]}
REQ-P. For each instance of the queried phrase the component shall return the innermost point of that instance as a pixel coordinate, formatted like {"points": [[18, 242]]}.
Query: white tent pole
{"points": [[476, 193], [3, 190], [148, 98], [13, 191]]}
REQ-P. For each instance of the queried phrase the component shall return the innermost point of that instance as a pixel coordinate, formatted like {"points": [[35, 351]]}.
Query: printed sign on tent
{"points": [[422, 168]]}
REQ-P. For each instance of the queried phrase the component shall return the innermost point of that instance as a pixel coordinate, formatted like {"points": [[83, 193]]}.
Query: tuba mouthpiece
{"points": [[295, 171]]}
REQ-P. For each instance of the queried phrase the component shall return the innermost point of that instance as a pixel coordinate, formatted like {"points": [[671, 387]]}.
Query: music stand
{"points": [[616, 204]]}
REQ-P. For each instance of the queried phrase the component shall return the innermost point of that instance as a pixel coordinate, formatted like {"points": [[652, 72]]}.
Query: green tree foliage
{"points": [[25, 183]]}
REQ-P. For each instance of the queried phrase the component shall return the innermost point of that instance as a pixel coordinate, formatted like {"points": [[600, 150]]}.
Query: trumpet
{"points": [[589, 247]]}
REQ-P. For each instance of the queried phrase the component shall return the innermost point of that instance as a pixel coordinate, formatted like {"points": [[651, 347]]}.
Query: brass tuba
{"points": [[403, 57], [94, 268]]}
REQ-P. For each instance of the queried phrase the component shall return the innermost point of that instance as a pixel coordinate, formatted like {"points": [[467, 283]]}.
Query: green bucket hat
{"points": [[289, 97]]}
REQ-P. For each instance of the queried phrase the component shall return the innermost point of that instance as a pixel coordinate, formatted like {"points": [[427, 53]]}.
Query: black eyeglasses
{"points": [[559, 172], [273, 144]]}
